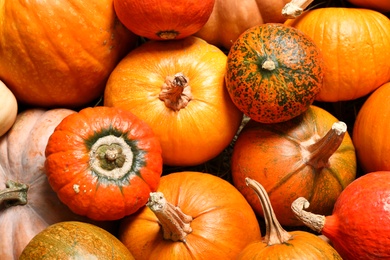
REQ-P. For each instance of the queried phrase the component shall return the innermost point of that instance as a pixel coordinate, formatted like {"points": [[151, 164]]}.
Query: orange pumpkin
{"points": [[9, 108], [60, 53], [355, 44], [379, 5], [311, 155], [178, 88], [193, 215]]}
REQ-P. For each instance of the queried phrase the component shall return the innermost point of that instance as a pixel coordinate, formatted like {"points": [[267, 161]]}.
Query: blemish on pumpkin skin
{"points": [[76, 188]]}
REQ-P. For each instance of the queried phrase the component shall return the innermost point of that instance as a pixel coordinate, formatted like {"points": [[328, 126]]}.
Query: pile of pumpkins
{"points": [[111, 107]]}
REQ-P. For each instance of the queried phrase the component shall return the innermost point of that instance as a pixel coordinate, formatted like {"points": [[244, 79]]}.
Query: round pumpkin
{"points": [[193, 215], [370, 131], [27, 202], [103, 162], [311, 155], [355, 44], [230, 18], [274, 73], [163, 19], [75, 240], [359, 226], [379, 5], [9, 108], [178, 88], [60, 53]]}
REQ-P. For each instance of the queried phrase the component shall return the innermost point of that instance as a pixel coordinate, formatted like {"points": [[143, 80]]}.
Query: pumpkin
{"points": [[9, 109], [60, 53], [163, 19], [230, 18], [354, 43], [178, 88], [75, 240], [27, 202], [359, 227], [192, 215], [274, 73], [103, 162], [379, 5], [311, 156], [370, 131], [280, 244]]}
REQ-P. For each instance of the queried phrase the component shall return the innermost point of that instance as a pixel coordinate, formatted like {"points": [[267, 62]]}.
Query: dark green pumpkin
{"points": [[274, 72]]}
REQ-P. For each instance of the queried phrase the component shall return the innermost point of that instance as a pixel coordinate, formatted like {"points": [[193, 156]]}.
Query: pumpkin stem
{"points": [[268, 64], [174, 223], [275, 234], [295, 8], [14, 194], [321, 151], [176, 92], [314, 221]]}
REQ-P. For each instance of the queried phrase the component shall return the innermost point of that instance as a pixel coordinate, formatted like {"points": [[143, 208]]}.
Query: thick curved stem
{"points": [[313, 221], [275, 234], [176, 92], [295, 8], [174, 223], [14, 194]]}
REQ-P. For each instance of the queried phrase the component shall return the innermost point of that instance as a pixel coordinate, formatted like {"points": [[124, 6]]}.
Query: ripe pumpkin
{"points": [[311, 155], [359, 227], [103, 162], [193, 215], [371, 129], [27, 202], [64, 62], [230, 18], [379, 5], [178, 88], [9, 108], [339, 33], [163, 19], [75, 240], [274, 73], [280, 244]]}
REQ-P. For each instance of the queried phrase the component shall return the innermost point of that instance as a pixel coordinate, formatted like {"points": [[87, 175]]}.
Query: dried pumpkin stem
{"points": [[314, 221], [295, 8], [176, 92], [14, 194], [174, 223], [275, 234], [321, 151]]}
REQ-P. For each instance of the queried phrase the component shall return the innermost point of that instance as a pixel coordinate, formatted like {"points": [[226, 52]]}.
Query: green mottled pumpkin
{"points": [[274, 72]]}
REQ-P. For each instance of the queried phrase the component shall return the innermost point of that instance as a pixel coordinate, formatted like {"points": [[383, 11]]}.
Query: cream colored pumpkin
{"points": [[8, 110]]}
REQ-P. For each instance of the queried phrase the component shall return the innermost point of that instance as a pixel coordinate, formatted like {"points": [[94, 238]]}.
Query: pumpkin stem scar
{"points": [[268, 64], [295, 8], [14, 194], [174, 223], [314, 221], [168, 35], [176, 92]]}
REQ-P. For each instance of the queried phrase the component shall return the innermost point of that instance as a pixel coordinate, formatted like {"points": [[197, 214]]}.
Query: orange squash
{"points": [[379, 5], [9, 108], [178, 88]]}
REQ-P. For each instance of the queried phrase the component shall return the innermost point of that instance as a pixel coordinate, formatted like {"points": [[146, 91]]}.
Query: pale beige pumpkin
{"points": [[9, 108]]}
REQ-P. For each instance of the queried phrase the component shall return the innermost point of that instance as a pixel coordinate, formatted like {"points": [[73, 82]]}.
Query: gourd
{"points": [[192, 215], [178, 88], [75, 240], [359, 227], [60, 53], [274, 72], [280, 244], [9, 109], [103, 162], [311, 156]]}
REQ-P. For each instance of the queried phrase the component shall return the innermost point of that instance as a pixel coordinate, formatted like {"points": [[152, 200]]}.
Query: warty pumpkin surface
{"points": [[274, 72]]}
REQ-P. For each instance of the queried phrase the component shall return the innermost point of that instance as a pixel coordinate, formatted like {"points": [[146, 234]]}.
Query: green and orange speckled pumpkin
{"points": [[274, 72]]}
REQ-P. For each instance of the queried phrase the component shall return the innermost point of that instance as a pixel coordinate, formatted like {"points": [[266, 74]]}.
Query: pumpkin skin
{"points": [[9, 109], [279, 157], [51, 64], [162, 19], [338, 33], [22, 159], [370, 131], [75, 240], [273, 73], [230, 18], [223, 222], [359, 227], [202, 121], [379, 5], [103, 162]]}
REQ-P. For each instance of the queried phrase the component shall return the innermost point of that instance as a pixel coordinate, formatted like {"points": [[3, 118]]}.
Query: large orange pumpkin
{"points": [[178, 88], [60, 53], [355, 44]]}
